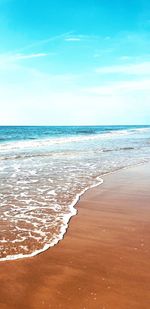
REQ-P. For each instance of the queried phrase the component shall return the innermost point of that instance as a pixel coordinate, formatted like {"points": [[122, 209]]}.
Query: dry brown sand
{"points": [[103, 261]]}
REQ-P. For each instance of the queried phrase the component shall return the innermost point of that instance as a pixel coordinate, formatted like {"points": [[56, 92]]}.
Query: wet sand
{"points": [[103, 261]]}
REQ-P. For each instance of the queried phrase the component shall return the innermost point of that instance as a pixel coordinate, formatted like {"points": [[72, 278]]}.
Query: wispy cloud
{"points": [[120, 87], [72, 39], [28, 56], [132, 69], [44, 41], [13, 58]]}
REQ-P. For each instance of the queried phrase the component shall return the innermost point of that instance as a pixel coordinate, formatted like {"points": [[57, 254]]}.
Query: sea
{"points": [[45, 169]]}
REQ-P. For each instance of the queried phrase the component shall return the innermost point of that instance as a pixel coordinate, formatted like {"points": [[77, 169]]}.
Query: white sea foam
{"points": [[63, 229], [66, 218], [57, 237], [36, 193]]}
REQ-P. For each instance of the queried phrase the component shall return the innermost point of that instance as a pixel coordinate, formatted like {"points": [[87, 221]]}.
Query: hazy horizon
{"points": [[80, 125]]}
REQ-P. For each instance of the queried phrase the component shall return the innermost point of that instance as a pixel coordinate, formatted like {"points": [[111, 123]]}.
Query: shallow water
{"points": [[43, 170]]}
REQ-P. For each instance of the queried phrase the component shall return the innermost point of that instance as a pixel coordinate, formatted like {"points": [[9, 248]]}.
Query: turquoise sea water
{"points": [[43, 171], [18, 133]]}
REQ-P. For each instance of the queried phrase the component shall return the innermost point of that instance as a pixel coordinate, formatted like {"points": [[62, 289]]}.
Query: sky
{"points": [[74, 62]]}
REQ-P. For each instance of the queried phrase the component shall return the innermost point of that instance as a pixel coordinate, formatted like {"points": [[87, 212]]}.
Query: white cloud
{"points": [[73, 39], [13, 62], [132, 69], [44, 41], [11, 58], [28, 56], [120, 87]]}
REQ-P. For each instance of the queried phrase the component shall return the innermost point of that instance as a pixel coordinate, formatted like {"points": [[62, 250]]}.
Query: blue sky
{"points": [[74, 62]]}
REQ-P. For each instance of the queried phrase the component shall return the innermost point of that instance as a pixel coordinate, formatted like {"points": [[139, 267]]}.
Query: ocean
{"points": [[44, 171]]}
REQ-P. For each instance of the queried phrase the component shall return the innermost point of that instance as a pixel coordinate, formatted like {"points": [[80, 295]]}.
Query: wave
{"points": [[87, 132], [60, 236], [37, 143], [119, 149], [67, 217], [60, 153]]}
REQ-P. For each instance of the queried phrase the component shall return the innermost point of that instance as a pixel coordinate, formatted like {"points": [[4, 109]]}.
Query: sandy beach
{"points": [[103, 262]]}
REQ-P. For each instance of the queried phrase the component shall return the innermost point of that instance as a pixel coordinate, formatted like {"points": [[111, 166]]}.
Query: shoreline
{"points": [[64, 228], [73, 212], [95, 264]]}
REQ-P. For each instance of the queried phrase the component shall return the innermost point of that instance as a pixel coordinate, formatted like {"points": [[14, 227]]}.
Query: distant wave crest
{"points": [[32, 142]]}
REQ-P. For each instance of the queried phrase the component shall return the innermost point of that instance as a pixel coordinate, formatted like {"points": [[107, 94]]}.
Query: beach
{"points": [[103, 261], [75, 154], [44, 171]]}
